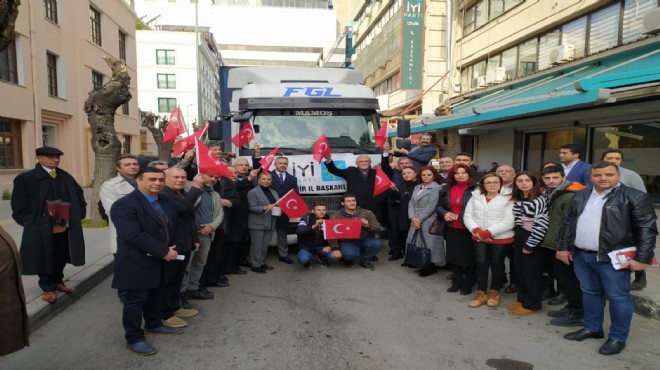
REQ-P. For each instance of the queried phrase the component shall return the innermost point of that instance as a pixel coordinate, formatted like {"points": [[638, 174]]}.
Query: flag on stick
{"points": [[382, 182], [293, 205], [321, 148], [175, 126]]}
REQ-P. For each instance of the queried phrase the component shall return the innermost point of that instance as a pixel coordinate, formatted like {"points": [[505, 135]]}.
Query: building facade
{"points": [[47, 73], [530, 76]]}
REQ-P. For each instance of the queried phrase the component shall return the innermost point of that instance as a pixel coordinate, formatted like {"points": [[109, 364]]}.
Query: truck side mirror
{"points": [[403, 128], [215, 130], [242, 117]]}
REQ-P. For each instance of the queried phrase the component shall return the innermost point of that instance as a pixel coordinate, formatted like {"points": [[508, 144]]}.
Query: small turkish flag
{"points": [[244, 136], [321, 148], [381, 136], [268, 160], [293, 205], [209, 164], [187, 143], [382, 182], [342, 228], [175, 126]]}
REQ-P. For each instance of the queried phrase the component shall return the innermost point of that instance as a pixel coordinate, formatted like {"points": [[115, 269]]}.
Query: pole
{"points": [[199, 81]]}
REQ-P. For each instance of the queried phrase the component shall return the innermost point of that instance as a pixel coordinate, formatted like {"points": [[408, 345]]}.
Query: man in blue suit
{"points": [[283, 182], [420, 154], [146, 237], [575, 169]]}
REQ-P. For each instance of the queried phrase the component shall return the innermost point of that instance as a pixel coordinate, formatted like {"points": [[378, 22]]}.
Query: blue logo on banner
{"points": [[327, 176]]}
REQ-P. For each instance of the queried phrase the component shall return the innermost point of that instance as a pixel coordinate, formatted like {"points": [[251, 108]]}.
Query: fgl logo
{"points": [[327, 176], [325, 92]]}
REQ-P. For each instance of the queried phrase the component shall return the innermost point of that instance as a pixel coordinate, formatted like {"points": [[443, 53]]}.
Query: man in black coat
{"points": [[147, 232], [396, 235], [49, 204], [283, 182]]}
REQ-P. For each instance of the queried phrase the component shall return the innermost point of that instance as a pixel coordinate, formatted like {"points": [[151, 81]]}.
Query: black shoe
{"points": [[611, 347], [286, 260], [245, 264], [374, 259], [266, 267], [258, 270], [583, 334], [637, 285], [428, 271], [560, 313], [368, 265], [218, 284], [223, 279], [547, 294], [455, 285], [307, 265], [557, 300], [199, 294], [395, 256], [511, 288], [573, 318], [323, 262], [235, 271], [349, 263], [405, 265], [466, 286]]}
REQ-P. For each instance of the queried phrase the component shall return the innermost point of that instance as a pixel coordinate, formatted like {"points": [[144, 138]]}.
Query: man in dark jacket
{"points": [[283, 182], [396, 235], [420, 154], [49, 204], [604, 218], [311, 241], [237, 237]]}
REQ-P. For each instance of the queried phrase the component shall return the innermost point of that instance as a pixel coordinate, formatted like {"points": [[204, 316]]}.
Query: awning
{"points": [[590, 81]]}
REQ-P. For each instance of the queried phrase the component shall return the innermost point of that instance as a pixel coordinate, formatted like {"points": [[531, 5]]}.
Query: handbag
{"points": [[437, 227], [417, 255]]}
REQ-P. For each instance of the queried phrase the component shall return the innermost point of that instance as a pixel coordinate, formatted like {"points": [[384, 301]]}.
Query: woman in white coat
{"points": [[421, 212], [489, 217]]}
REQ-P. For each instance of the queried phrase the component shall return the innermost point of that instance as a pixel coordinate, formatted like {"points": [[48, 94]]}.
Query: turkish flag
{"points": [[175, 126], [293, 205], [342, 228], [321, 148], [187, 143], [382, 182], [209, 164], [269, 159], [381, 136], [244, 136]]}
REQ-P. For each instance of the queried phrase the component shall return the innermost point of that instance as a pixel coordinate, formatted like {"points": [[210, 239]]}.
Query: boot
{"points": [[466, 285], [493, 298], [428, 271], [479, 299], [574, 317], [456, 282], [640, 281]]}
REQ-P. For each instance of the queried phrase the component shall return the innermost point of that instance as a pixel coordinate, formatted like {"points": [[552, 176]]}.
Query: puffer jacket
{"points": [[628, 220], [495, 216]]}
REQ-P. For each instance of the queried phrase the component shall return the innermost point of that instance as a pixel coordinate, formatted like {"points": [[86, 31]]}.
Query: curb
{"points": [[40, 312]]}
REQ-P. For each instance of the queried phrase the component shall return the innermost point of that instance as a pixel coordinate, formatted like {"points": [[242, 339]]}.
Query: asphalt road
{"points": [[329, 318]]}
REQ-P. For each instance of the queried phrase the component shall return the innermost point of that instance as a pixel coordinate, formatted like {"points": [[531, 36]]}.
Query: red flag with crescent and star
{"points": [[342, 228], [244, 136], [321, 148], [175, 126], [381, 136], [268, 159], [208, 163], [188, 143], [293, 205], [382, 182]]}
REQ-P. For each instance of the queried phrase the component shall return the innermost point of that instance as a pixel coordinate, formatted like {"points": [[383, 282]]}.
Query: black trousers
{"points": [[171, 276], [569, 283], [512, 264], [214, 260], [529, 271], [60, 244], [549, 269], [138, 304], [490, 257]]}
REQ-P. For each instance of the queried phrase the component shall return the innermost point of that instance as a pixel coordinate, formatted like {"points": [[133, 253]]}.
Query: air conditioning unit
{"points": [[481, 81], [495, 75], [561, 54], [651, 22], [367, 13]]}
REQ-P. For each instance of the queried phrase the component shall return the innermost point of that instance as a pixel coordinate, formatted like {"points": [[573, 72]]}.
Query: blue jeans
{"points": [[366, 249], [600, 281], [304, 256]]}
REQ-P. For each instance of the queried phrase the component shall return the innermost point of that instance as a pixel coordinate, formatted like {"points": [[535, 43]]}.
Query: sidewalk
{"points": [[100, 262]]}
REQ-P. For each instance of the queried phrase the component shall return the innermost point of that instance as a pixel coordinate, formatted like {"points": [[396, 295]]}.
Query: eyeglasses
{"points": [[492, 183]]}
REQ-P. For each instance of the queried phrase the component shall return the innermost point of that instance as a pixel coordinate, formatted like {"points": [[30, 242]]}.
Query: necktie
{"points": [[163, 220], [53, 174], [282, 177]]}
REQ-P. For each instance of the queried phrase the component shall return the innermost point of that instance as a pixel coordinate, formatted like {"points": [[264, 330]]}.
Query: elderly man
{"points": [[420, 154], [237, 238], [117, 187], [49, 204], [507, 173], [601, 219]]}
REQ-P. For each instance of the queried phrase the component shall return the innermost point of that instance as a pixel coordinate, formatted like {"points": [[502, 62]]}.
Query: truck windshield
{"points": [[299, 129]]}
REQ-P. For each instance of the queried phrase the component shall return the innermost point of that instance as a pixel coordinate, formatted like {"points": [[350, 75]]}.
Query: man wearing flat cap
{"points": [[49, 204]]}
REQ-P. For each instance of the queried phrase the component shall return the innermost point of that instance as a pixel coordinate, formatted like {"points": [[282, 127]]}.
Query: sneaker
{"points": [[479, 299], [307, 265], [368, 265], [493, 298], [175, 322], [323, 262], [186, 312], [560, 313], [164, 329]]}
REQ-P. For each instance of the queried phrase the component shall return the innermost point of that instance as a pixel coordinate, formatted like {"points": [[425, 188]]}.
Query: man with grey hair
{"points": [[507, 173]]}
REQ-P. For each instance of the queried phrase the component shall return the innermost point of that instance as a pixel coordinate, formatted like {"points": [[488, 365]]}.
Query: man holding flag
{"points": [[283, 183], [420, 154]]}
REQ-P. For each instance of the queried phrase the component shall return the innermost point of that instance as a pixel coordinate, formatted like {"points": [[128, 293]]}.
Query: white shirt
{"points": [[587, 234], [281, 175], [568, 167], [49, 170]]}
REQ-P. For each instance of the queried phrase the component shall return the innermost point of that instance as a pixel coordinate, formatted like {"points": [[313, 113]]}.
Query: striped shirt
{"points": [[533, 217]]}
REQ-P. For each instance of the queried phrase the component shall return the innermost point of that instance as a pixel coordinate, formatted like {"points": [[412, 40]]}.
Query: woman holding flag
{"points": [[261, 221]]}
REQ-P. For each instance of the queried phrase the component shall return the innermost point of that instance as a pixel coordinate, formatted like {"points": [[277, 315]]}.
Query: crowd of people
{"points": [[176, 232]]}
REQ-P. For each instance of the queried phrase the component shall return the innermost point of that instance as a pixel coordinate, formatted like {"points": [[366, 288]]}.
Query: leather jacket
{"points": [[628, 219]]}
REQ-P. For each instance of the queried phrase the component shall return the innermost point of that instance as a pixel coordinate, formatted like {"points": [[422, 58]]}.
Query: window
{"points": [[166, 81], [10, 143], [97, 80], [51, 9], [527, 59], [604, 29], [494, 62], [126, 145], [8, 66], [124, 109], [574, 33], [496, 8], [122, 45], [478, 70], [95, 25], [633, 16], [547, 43], [481, 13], [165, 57], [51, 64], [143, 141], [166, 105], [468, 22], [510, 62]]}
